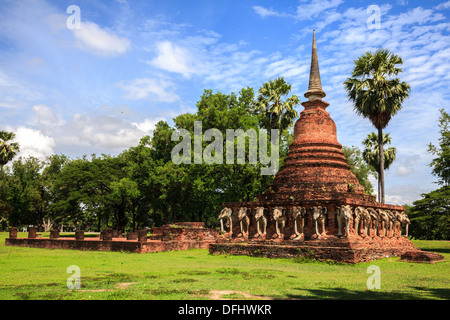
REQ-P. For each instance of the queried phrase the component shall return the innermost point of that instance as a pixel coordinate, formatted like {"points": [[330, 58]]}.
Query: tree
{"points": [[430, 216], [359, 167], [441, 164], [375, 94], [7, 150], [371, 155], [276, 113], [25, 192]]}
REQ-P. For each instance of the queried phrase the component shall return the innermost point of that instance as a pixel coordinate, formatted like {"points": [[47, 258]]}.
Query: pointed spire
{"points": [[315, 87]]}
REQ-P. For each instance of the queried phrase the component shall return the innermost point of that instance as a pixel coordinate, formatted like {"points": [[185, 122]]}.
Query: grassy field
{"points": [[29, 273]]}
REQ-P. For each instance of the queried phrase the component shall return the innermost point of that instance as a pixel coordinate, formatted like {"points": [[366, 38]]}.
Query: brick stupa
{"points": [[315, 173], [315, 168]]}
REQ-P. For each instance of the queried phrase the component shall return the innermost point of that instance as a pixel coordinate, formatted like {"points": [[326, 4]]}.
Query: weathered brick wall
{"points": [[341, 250], [107, 245]]}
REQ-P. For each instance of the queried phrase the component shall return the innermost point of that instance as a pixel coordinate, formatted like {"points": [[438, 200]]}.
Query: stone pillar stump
{"points": [[79, 235], [142, 235], [107, 234], [54, 234], [31, 233], [13, 233]]}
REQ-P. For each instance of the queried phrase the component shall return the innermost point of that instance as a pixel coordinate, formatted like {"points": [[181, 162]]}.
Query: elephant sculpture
{"points": [[375, 217], [318, 216], [243, 219], [384, 220], [403, 219], [298, 217], [392, 219], [261, 222], [279, 215], [225, 214], [361, 213], [344, 215]]}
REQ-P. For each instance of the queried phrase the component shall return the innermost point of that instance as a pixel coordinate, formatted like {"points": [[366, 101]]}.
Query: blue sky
{"points": [[103, 86]]}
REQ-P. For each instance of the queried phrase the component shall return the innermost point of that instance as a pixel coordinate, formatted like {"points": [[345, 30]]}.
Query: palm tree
{"points": [[276, 112], [7, 151], [371, 154], [376, 95]]}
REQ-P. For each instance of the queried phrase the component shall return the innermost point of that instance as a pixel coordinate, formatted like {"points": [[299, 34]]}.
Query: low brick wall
{"points": [[107, 245]]}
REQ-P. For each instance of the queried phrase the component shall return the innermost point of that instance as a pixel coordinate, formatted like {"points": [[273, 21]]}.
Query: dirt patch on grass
{"points": [[233, 295]]}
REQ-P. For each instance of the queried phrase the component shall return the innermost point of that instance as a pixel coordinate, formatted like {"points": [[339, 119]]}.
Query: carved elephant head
{"points": [[226, 214]]}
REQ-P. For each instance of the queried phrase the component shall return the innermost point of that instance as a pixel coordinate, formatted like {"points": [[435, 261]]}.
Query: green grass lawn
{"points": [[30, 273]]}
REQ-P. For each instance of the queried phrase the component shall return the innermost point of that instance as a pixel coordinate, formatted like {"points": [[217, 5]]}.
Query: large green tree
{"points": [[25, 192], [430, 216], [377, 93], [441, 164]]}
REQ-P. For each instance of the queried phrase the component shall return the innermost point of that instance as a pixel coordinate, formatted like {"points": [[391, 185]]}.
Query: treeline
{"points": [[140, 187]]}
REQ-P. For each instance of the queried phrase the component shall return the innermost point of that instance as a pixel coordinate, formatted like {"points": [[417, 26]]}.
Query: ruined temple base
{"points": [[175, 237], [344, 250], [421, 256]]}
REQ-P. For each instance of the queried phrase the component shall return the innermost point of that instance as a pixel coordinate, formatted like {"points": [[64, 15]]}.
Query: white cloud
{"points": [[33, 143], [105, 130], [443, 6], [91, 37], [173, 58], [148, 125], [404, 171], [144, 88], [264, 12], [45, 116], [313, 8]]}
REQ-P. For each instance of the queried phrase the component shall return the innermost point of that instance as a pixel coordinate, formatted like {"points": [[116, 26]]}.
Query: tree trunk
{"points": [[381, 175]]}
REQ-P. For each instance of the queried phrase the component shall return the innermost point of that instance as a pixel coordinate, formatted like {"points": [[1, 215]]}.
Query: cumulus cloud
{"points": [[313, 8], [34, 143], [173, 58], [264, 12], [158, 89], [91, 37]]}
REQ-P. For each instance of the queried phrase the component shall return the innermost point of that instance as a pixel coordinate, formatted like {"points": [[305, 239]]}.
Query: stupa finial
{"points": [[315, 86]]}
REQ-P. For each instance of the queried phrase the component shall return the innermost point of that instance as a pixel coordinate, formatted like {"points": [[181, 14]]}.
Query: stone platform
{"points": [[345, 250]]}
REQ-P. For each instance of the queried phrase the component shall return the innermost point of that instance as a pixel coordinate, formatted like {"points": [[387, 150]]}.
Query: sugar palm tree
{"points": [[371, 154], [376, 93], [7, 149], [276, 112]]}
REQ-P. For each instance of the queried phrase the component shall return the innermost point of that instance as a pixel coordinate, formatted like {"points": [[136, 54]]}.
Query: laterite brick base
{"points": [[351, 250], [108, 245], [181, 236]]}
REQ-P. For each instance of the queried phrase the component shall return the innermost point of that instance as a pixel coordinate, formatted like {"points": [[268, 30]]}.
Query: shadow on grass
{"points": [[420, 293]]}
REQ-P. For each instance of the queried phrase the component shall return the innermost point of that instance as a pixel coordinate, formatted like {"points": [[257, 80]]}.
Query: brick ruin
{"points": [[178, 236], [316, 206]]}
